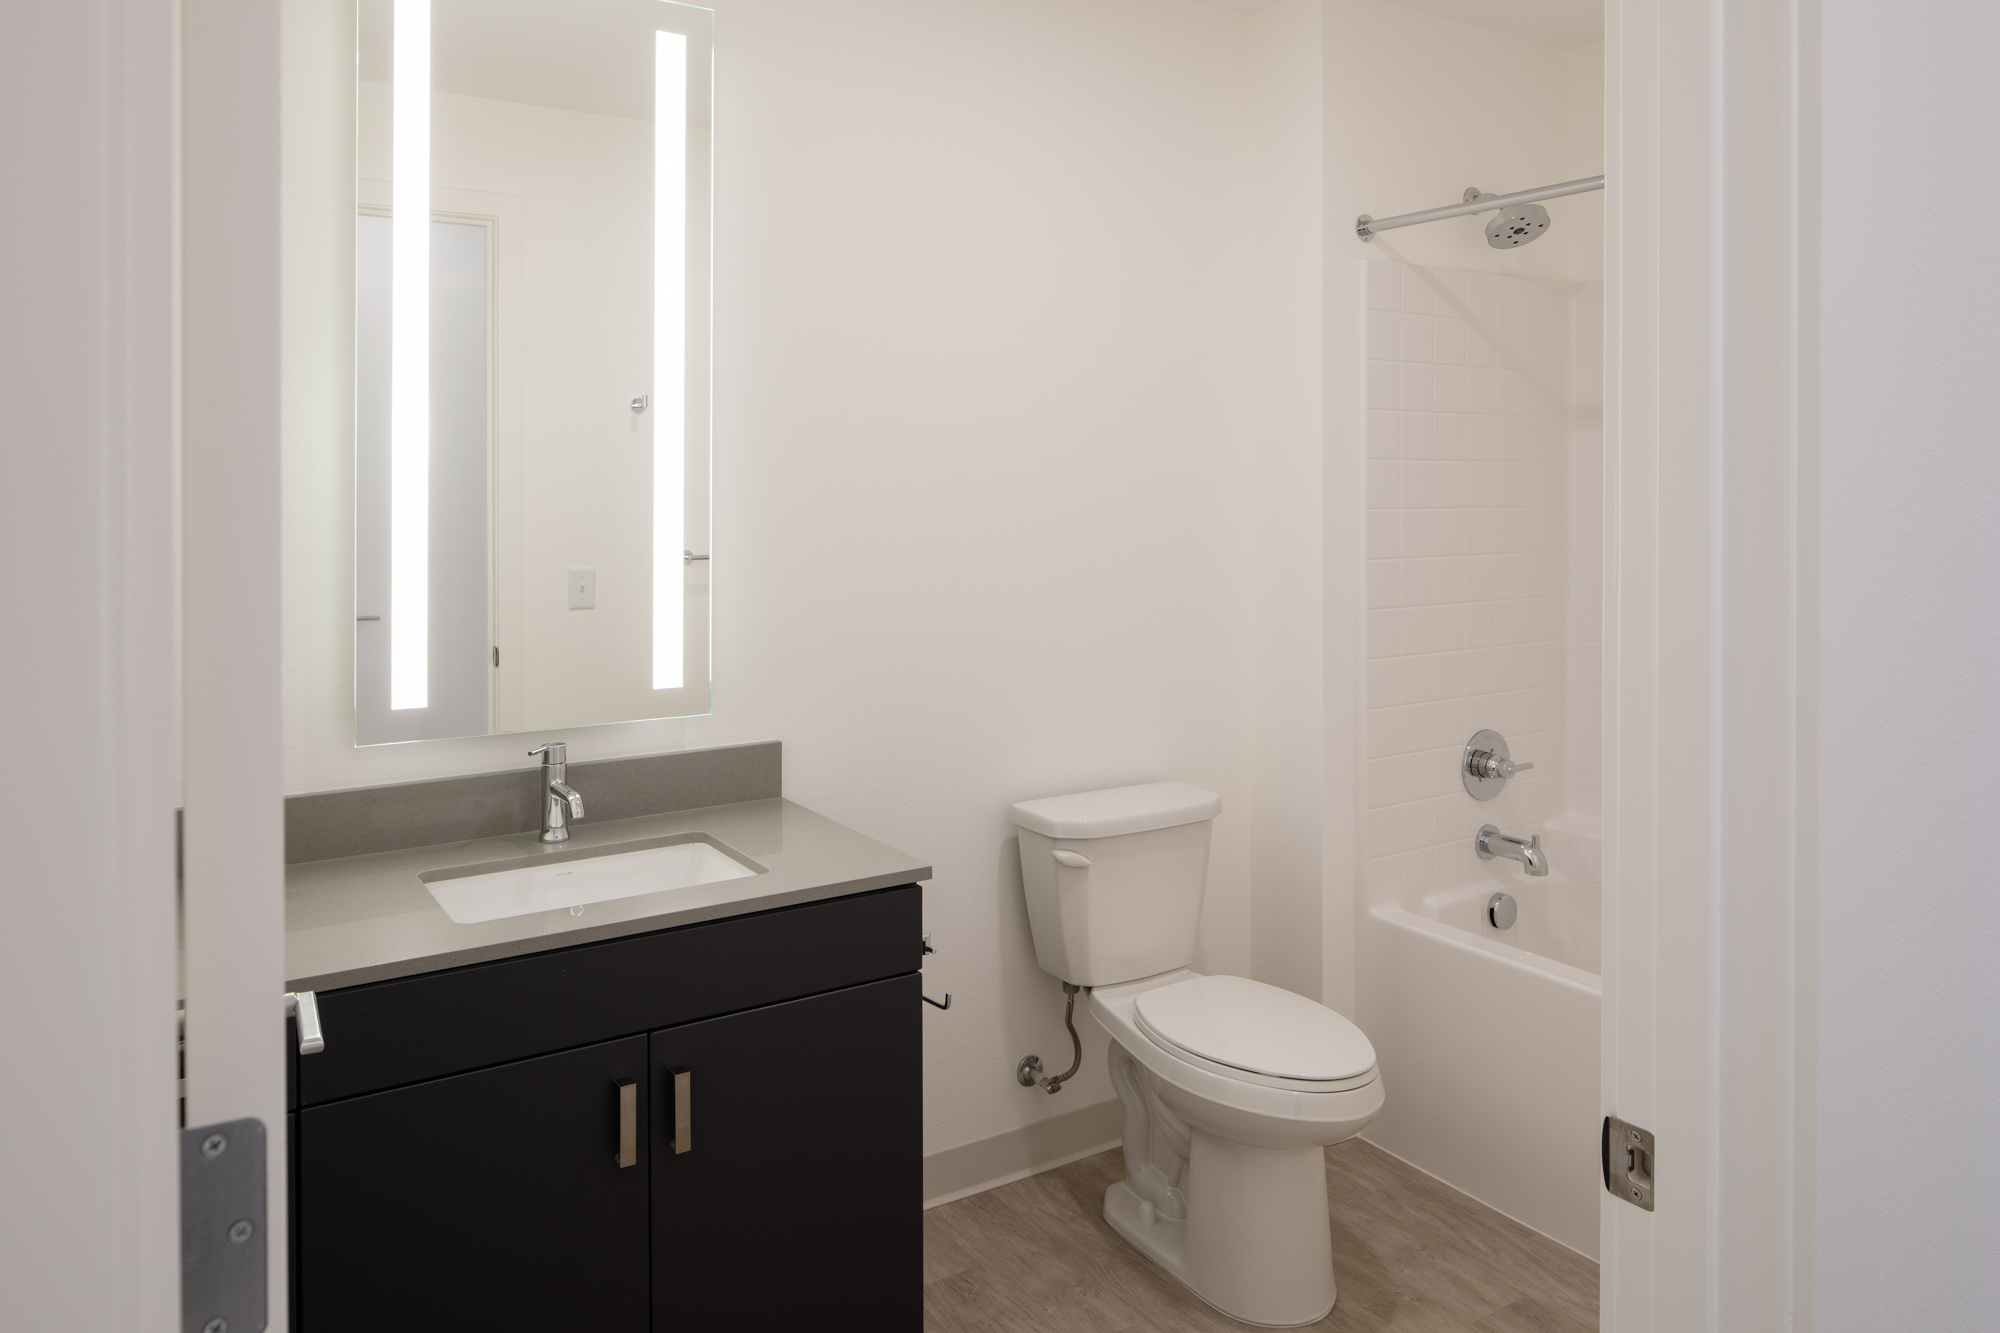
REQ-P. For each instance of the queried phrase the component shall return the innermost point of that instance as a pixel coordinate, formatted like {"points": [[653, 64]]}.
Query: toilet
{"points": [[1230, 1088]]}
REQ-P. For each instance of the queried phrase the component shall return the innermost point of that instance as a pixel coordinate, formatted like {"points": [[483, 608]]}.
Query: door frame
{"points": [[233, 843], [1711, 228]]}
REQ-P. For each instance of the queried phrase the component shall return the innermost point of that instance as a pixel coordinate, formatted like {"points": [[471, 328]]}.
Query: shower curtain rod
{"points": [[1365, 227]]}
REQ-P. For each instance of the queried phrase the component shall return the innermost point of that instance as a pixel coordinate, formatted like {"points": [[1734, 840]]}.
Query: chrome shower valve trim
{"points": [[1488, 764]]}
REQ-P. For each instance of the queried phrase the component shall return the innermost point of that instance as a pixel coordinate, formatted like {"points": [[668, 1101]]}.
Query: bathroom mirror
{"points": [[531, 303]]}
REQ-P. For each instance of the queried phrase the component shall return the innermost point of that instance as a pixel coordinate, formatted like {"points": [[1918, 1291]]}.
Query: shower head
{"points": [[1514, 224], [1517, 224]]}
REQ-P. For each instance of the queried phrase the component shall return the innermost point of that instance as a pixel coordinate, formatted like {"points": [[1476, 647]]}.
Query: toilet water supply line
{"points": [[1025, 1071]]}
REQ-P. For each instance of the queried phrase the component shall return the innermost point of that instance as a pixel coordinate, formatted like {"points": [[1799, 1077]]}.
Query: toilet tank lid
{"points": [[1116, 810]]}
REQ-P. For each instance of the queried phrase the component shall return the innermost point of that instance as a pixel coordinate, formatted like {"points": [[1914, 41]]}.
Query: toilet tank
{"points": [[1114, 879]]}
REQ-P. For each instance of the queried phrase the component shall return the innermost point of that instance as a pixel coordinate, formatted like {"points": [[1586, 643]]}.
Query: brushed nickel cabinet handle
{"points": [[628, 1124], [683, 1109]]}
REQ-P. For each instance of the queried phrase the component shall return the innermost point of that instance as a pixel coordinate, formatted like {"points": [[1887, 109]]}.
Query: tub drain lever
{"points": [[1028, 1072]]}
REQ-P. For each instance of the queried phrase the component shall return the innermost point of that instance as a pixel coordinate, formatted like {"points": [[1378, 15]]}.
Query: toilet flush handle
{"points": [[1074, 860]]}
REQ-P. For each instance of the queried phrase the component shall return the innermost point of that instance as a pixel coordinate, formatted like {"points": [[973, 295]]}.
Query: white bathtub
{"points": [[1488, 1041]]}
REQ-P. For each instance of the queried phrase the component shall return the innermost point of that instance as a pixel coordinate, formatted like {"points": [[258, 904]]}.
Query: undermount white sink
{"points": [[572, 878]]}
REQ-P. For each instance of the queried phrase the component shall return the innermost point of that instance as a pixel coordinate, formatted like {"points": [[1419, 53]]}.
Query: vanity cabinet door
{"points": [[492, 1201], [798, 1200]]}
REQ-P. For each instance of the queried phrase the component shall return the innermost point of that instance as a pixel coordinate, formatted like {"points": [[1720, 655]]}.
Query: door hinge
{"points": [[1628, 1162], [496, 654], [223, 1254]]}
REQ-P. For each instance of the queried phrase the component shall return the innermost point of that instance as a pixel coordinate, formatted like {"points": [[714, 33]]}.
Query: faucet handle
{"points": [[1488, 765], [557, 752]]}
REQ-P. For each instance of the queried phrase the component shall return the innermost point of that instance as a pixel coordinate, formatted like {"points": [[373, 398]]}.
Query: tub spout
{"points": [[1491, 842]]}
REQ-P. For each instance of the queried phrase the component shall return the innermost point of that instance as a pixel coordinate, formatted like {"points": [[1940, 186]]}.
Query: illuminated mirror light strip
{"points": [[670, 125], [410, 362]]}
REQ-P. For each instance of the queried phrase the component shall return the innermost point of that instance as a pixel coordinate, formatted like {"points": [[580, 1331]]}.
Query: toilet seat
{"points": [[1254, 1033], [1246, 1108]]}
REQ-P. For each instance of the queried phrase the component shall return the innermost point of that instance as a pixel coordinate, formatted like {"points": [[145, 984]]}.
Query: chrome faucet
{"points": [[1491, 842], [560, 803]]}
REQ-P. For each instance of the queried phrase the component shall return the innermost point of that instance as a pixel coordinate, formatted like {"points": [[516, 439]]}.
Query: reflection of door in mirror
{"points": [[562, 148], [459, 635]]}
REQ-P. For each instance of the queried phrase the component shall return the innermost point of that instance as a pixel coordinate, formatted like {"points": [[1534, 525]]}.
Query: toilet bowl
{"points": [[1225, 1169], [1231, 1089]]}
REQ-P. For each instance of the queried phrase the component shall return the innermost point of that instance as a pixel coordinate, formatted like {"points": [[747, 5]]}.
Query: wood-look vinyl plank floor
{"points": [[1411, 1255]]}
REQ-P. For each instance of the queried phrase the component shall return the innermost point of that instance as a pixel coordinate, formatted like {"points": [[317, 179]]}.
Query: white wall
{"points": [[1904, 1021], [981, 488], [1289, 720], [981, 442], [1582, 216]]}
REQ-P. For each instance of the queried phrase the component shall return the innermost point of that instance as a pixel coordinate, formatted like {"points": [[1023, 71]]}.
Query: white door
{"points": [[88, 1224]]}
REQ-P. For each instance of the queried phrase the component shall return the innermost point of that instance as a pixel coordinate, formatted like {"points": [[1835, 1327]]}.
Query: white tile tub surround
{"points": [[1471, 594], [1484, 555]]}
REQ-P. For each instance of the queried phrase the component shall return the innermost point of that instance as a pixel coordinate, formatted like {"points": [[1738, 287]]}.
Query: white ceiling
{"points": [[1560, 23]]}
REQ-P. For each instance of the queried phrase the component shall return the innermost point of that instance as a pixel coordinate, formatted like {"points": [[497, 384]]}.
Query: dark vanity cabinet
{"points": [[484, 1200], [711, 1127], [798, 1170]]}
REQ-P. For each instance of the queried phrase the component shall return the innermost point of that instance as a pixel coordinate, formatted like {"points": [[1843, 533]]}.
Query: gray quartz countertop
{"points": [[357, 919]]}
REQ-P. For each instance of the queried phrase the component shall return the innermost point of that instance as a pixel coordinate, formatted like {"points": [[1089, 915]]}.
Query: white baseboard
{"points": [[973, 1168]]}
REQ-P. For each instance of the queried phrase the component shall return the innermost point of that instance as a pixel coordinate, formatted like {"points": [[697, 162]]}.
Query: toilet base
{"points": [[1160, 1239], [1256, 1243]]}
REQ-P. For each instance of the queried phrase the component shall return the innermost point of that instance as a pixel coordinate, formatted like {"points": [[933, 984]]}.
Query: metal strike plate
{"points": [[1628, 1162], [223, 1248]]}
